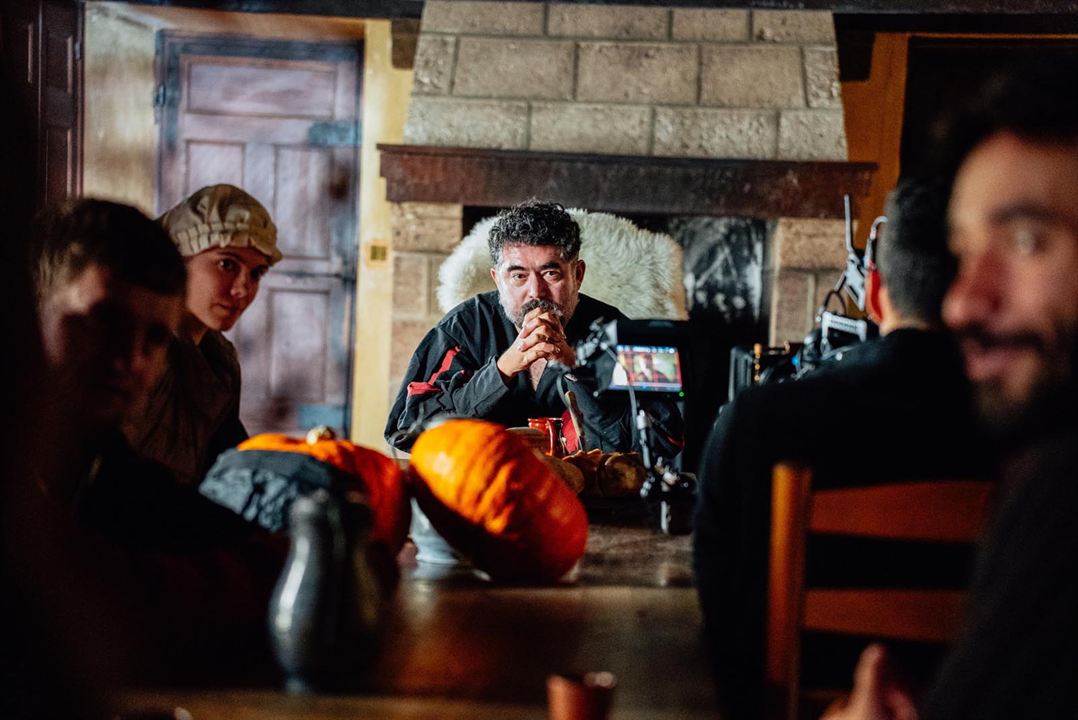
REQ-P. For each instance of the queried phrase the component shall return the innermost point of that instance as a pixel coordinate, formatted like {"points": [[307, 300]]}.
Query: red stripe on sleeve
{"points": [[568, 431], [420, 388]]}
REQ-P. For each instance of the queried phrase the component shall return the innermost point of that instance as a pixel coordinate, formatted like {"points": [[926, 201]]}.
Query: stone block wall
{"points": [[627, 79], [807, 258], [423, 235]]}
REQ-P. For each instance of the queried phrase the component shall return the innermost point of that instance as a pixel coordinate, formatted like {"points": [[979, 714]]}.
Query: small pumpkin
{"points": [[570, 474], [621, 475], [588, 463], [488, 494]]}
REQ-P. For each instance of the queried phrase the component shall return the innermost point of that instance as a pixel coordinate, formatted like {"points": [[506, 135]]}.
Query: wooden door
{"points": [[40, 41], [281, 120]]}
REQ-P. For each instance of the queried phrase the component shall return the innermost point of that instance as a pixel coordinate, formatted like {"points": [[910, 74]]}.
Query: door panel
{"points": [[59, 163], [255, 114], [210, 163], [298, 357], [268, 90], [306, 229], [60, 100], [40, 41]]}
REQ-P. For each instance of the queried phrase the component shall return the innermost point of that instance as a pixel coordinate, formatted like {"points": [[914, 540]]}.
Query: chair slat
{"points": [[940, 510], [943, 511], [925, 615]]}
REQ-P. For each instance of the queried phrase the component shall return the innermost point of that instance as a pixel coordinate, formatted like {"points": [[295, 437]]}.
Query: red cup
{"points": [[585, 696]]}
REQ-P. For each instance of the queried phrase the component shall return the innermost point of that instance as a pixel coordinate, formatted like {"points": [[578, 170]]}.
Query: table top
{"points": [[457, 645]]}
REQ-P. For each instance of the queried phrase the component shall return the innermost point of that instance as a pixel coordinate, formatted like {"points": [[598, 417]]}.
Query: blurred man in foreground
{"points": [[1013, 220], [188, 581], [110, 294]]}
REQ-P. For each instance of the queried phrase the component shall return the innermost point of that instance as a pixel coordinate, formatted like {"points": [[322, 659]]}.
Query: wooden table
{"points": [[461, 647]]}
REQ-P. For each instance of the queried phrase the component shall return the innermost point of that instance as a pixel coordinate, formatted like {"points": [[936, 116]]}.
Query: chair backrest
{"points": [[938, 510], [635, 270]]}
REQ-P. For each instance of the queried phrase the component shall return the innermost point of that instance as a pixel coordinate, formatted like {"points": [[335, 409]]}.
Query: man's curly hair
{"points": [[534, 222]]}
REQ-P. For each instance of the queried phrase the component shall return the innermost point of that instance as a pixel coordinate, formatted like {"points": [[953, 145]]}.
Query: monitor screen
{"points": [[647, 368]]}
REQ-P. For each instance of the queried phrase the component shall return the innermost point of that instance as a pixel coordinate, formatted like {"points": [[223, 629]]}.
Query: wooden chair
{"points": [[944, 511]]}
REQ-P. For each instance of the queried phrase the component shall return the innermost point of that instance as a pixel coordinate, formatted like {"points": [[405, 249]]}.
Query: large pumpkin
{"points": [[494, 500]]}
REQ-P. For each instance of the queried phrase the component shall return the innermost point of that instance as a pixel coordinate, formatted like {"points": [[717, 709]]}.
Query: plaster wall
{"points": [[385, 106], [120, 137]]}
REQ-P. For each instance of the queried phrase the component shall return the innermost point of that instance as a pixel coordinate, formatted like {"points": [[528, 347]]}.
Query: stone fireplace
{"points": [[718, 121]]}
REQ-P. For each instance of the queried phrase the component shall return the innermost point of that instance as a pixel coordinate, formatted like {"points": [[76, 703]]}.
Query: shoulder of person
{"points": [[776, 399], [461, 321], [219, 349]]}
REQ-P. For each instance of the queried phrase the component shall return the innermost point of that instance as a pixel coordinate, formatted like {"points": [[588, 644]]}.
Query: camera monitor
{"points": [[647, 368], [637, 355]]}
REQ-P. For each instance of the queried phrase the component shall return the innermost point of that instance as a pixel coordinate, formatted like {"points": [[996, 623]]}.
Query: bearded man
{"points": [[488, 357], [1013, 226]]}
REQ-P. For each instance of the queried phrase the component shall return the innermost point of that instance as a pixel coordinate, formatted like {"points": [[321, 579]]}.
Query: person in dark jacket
{"points": [[488, 357], [890, 409], [1014, 307]]}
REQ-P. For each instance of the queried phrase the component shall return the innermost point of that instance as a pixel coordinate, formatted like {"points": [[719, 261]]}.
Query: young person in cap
{"points": [[228, 242]]}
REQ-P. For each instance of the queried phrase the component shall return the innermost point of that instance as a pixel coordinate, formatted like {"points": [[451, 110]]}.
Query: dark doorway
{"points": [[281, 120], [943, 73]]}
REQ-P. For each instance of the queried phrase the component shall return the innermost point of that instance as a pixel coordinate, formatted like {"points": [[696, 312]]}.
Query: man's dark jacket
{"points": [[454, 371], [1017, 656], [896, 408]]}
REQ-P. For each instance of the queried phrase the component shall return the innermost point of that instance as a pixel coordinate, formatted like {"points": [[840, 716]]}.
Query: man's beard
{"points": [[556, 311], [1052, 398]]}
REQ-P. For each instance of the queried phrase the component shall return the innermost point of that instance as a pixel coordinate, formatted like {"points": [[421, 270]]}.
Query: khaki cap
{"points": [[220, 216]]}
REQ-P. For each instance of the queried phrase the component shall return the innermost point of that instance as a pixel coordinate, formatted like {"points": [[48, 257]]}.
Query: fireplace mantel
{"points": [[616, 183]]}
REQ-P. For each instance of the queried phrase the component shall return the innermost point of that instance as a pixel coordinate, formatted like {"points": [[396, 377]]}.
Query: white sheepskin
{"points": [[636, 271]]}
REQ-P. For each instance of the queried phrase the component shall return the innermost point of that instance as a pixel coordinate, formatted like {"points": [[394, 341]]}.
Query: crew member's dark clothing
{"points": [[892, 409], [1018, 654], [136, 503], [454, 371], [196, 577]]}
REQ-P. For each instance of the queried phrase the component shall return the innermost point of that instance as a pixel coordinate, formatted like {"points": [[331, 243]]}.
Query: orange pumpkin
{"points": [[494, 500], [375, 475]]}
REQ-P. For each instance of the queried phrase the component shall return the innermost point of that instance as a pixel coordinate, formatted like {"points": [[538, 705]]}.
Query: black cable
{"points": [[634, 409]]}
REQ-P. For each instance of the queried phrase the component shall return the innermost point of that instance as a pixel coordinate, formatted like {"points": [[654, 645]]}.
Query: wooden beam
{"points": [[683, 186], [1008, 7], [404, 33], [336, 8], [413, 8]]}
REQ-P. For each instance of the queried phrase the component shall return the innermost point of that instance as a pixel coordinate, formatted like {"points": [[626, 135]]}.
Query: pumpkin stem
{"points": [[322, 432]]}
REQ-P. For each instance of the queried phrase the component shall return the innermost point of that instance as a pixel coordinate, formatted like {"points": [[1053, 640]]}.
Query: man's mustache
{"points": [[546, 305], [987, 340]]}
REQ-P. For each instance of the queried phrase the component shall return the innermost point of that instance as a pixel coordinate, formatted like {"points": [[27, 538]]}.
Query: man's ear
{"points": [[873, 302], [580, 268], [494, 277]]}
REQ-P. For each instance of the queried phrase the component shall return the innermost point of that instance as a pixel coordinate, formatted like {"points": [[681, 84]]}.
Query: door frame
{"points": [[172, 44]]}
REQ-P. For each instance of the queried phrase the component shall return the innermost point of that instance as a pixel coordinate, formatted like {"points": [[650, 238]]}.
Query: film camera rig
{"points": [[833, 332], [642, 358]]}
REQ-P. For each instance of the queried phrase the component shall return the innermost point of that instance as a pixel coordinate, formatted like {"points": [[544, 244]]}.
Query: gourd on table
{"points": [[488, 494]]}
